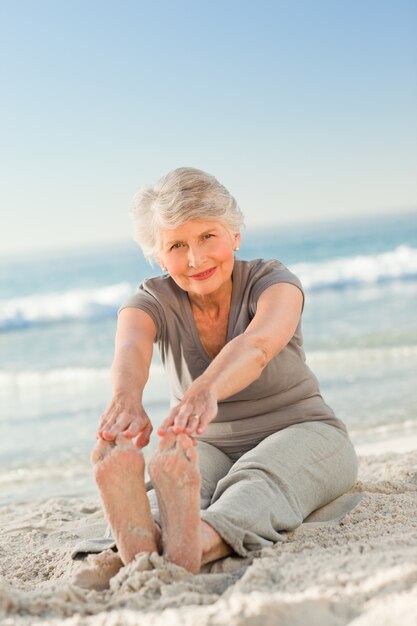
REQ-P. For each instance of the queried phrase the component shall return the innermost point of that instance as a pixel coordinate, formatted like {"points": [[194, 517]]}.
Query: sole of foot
{"points": [[119, 473], [175, 475]]}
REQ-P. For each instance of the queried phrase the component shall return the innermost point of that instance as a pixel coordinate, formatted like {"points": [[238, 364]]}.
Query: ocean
{"points": [[58, 318]]}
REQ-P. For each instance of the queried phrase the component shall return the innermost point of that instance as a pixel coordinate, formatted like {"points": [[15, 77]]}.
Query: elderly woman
{"points": [[249, 448]]}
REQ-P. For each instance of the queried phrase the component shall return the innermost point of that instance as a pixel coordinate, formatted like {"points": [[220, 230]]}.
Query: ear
{"points": [[237, 241]]}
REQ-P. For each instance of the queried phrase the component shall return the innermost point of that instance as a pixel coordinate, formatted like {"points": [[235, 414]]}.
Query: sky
{"points": [[304, 109]]}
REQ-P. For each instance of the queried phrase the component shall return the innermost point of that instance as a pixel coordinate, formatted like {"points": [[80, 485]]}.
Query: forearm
{"points": [[130, 371], [238, 364], [241, 361], [125, 414]]}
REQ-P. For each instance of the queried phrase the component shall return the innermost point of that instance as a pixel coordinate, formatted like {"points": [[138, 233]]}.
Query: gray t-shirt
{"points": [[286, 393]]}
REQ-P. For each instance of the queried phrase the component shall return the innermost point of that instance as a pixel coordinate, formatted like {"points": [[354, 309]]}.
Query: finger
{"points": [[133, 429], [192, 424], [101, 428], [166, 424], [203, 422], [144, 436], [182, 418], [106, 428], [120, 424], [102, 420], [167, 440], [107, 436], [107, 420], [140, 426]]}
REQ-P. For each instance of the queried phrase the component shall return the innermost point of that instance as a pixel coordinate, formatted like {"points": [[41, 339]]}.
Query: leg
{"points": [[213, 465], [176, 477], [213, 546], [119, 473], [277, 484]]}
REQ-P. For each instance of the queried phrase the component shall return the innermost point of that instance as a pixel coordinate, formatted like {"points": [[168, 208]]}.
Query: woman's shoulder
{"points": [[255, 269], [256, 275], [153, 292], [158, 286]]}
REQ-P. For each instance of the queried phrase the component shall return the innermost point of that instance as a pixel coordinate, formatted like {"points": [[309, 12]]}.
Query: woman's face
{"points": [[198, 255]]}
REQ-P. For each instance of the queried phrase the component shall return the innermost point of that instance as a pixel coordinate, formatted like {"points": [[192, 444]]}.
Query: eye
{"points": [[208, 235], [175, 246]]}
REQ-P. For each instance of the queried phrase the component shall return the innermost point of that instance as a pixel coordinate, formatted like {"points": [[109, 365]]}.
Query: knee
{"points": [[251, 470], [246, 479]]}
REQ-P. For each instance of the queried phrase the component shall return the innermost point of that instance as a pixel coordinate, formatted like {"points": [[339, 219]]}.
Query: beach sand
{"points": [[360, 569]]}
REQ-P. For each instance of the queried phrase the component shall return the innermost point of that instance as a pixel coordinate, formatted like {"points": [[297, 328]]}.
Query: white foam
{"points": [[69, 469], [399, 444], [73, 376], [361, 355], [88, 304], [81, 377], [398, 264], [31, 393], [77, 304]]}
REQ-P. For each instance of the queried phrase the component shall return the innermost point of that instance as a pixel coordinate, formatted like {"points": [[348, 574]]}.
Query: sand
{"points": [[359, 570]]}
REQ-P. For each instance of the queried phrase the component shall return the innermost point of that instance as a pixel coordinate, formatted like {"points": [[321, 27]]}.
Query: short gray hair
{"points": [[184, 194]]}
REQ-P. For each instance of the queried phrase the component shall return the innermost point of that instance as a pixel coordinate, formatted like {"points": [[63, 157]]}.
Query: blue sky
{"points": [[303, 109]]}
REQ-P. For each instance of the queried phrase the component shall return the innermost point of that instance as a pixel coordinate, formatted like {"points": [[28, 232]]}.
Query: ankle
{"points": [[213, 546], [190, 561]]}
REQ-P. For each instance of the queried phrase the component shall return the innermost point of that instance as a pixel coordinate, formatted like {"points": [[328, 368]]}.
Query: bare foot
{"points": [[119, 472], [97, 572], [214, 547], [176, 478]]}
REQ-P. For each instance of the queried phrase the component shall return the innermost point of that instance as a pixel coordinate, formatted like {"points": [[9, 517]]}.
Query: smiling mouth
{"points": [[204, 275]]}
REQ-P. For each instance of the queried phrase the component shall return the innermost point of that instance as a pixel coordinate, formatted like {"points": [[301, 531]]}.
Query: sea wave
{"points": [[349, 356], [395, 265], [43, 394], [399, 264], [73, 377], [80, 304]]}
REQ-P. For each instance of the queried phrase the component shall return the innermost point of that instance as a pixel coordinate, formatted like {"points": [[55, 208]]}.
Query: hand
{"points": [[125, 417], [191, 416]]}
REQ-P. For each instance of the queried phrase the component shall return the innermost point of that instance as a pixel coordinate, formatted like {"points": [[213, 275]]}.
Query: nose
{"points": [[195, 256]]}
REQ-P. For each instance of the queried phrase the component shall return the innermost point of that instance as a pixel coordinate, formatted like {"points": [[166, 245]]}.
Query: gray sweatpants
{"points": [[249, 498]]}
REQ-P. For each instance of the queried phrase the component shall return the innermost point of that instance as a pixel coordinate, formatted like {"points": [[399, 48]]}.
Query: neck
{"points": [[213, 301]]}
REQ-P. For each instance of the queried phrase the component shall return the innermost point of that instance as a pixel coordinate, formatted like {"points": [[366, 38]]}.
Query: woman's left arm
{"points": [[241, 361]]}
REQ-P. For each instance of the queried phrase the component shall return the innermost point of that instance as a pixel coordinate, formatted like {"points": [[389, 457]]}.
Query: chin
{"points": [[205, 288]]}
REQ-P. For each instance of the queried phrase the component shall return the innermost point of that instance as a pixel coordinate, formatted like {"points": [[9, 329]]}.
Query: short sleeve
{"points": [[147, 302], [272, 272]]}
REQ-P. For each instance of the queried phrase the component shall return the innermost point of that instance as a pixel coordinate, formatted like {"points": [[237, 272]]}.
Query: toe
{"points": [[184, 441], [100, 450], [186, 445], [167, 441], [191, 454], [126, 442]]}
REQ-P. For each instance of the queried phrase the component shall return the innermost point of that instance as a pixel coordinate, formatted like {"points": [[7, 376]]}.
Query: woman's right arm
{"points": [[130, 370]]}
